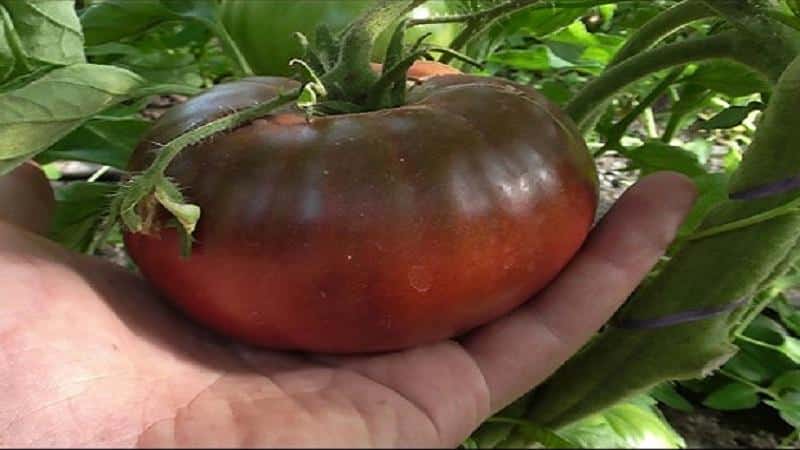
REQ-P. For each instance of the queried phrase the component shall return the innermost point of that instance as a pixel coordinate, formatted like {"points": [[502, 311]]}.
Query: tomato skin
{"points": [[376, 231], [264, 29]]}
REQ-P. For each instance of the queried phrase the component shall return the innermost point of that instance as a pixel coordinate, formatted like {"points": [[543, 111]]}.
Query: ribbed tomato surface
{"points": [[374, 231]]}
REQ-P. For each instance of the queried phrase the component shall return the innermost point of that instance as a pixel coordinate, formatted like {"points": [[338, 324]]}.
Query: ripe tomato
{"points": [[374, 231], [264, 29]]}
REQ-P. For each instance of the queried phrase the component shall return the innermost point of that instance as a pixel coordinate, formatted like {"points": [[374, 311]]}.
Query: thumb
{"points": [[26, 199]]}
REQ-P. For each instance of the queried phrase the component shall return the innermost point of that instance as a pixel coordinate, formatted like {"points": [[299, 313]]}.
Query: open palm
{"points": [[89, 356]]}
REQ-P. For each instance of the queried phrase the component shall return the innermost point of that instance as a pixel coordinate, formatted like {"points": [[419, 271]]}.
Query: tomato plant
{"points": [[361, 207]]}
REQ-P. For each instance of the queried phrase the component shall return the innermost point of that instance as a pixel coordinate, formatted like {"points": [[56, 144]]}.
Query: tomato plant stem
{"points": [[748, 244], [747, 382], [174, 147], [772, 155], [167, 89], [652, 32], [662, 26], [482, 15], [478, 22], [232, 50], [789, 208], [352, 76], [13, 39], [786, 19], [619, 129], [483, 20], [596, 92], [153, 181]]}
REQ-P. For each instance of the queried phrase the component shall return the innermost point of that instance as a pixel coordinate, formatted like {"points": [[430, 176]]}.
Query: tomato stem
{"points": [[773, 155], [167, 89], [789, 208], [482, 20], [174, 147], [618, 130], [479, 21], [723, 45], [658, 28], [352, 76], [662, 26], [144, 186], [231, 49]]}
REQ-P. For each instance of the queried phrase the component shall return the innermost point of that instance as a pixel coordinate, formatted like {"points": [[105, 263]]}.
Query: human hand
{"points": [[89, 356]]}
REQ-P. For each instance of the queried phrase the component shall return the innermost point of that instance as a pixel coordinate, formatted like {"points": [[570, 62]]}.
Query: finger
{"points": [[26, 199], [523, 349]]}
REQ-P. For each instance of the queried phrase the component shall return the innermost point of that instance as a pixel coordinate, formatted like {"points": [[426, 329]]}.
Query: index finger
{"points": [[523, 349]]}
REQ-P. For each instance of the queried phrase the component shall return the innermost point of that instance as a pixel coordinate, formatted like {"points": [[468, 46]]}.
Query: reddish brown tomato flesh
{"points": [[375, 231]]}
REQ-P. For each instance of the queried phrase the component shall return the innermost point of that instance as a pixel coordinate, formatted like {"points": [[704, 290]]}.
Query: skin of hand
{"points": [[90, 356]]}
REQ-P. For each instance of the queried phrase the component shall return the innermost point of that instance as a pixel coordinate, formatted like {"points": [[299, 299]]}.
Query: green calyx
{"points": [[340, 66]]}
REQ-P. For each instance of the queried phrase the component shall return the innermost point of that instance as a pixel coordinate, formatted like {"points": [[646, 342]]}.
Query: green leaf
{"points": [[655, 156], [770, 335], [751, 368], [8, 58], [79, 209], [469, 444], [789, 381], [577, 34], [700, 147], [491, 434], [642, 427], [548, 438], [113, 48], [635, 423], [19, 81], [106, 142], [52, 172], [729, 78], [205, 11], [791, 348], [764, 329], [794, 5], [732, 397], [538, 57], [543, 22], [666, 394], [36, 116], [49, 32], [112, 20], [634, 16], [730, 117], [789, 314], [178, 66], [789, 408], [692, 98], [555, 90], [596, 47], [759, 364], [607, 12]]}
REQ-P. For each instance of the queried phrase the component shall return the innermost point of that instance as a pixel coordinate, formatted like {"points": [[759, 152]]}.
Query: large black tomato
{"points": [[374, 231]]}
